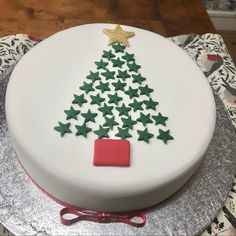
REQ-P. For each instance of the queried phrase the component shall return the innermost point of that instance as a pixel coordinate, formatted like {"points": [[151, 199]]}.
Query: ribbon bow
{"points": [[103, 217]]}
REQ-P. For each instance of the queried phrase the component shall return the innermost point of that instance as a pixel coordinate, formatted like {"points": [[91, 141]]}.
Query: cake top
{"points": [[59, 80]]}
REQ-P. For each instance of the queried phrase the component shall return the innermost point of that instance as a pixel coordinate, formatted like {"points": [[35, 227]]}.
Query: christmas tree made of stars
{"points": [[119, 94]]}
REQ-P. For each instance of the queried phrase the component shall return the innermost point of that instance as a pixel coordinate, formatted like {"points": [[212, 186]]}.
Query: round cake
{"points": [[109, 118]]}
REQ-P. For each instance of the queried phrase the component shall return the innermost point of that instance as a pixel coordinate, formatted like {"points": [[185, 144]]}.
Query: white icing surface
{"points": [[42, 87]]}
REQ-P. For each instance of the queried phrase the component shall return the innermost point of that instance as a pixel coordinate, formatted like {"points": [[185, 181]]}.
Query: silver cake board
{"points": [[25, 210]]}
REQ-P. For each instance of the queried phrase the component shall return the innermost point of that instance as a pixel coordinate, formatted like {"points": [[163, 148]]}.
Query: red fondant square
{"points": [[111, 152]]}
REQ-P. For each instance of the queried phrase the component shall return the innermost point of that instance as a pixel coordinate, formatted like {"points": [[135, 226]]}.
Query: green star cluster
{"points": [[115, 93]]}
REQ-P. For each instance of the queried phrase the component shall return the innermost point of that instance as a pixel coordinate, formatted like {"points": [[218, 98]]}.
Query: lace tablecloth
{"points": [[212, 57]]}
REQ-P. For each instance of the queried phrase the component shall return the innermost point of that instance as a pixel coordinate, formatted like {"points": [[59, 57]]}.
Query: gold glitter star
{"points": [[118, 35]]}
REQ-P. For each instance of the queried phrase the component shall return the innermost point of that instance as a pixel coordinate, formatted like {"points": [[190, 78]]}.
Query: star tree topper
{"points": [[118, 35]]}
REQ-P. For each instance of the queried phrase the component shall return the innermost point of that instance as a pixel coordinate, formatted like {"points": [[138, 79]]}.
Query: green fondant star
{"points": [[114, 98], [138, 78], [136, 105], [144, 119], [101, 64], [96, 99], [128, 122], [82, 130], [123, 133], [102, 132], [108, 55], [110, 122], [87, 87], [133, 67], [150, 104], [93, 76], [109, 74], [118, 47], [160, 119], [71, 114], [103, 87], [144, 135], [123, 74], [128, 57], [63, 128], [123, 110], [119, 85], [132, 92], [79, 100], [106, 110], [117, 62], [89, 116], [145, 90], [164, 135]]}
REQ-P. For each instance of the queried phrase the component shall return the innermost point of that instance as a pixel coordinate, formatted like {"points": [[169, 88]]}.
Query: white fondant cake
{"points": [[41, 88]]}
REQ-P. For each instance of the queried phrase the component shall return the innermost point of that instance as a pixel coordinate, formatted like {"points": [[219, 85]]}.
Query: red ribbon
{"points": [[102, 217]]}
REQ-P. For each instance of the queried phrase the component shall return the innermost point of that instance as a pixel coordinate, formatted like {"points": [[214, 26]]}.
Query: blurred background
{"points": [[166, 17], [223, 16]]}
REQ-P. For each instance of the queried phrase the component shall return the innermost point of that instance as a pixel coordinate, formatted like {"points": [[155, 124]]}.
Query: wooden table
{"points": [[45, 17]]}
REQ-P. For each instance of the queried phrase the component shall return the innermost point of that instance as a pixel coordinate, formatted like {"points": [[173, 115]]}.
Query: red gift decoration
{"points": [[111, 152]]}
